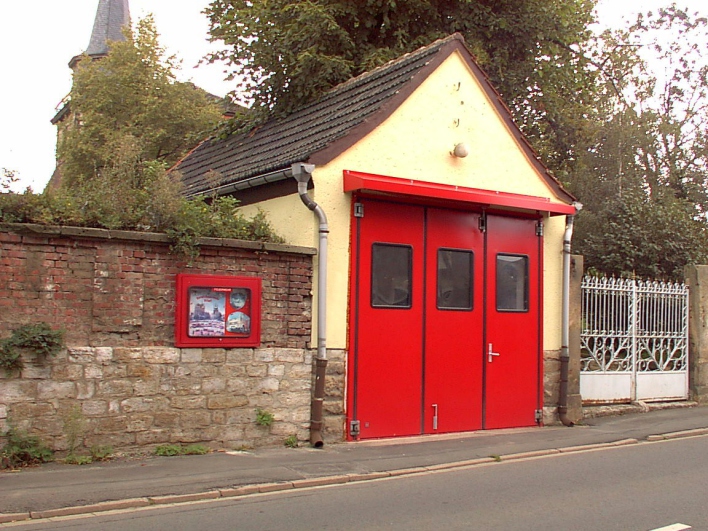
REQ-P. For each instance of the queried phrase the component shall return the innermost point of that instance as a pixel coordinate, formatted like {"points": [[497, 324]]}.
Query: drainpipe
{"points": [[565, 321], [303, 173]]}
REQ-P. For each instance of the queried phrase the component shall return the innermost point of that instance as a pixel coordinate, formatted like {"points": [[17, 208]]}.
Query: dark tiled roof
{"points": [[111, 17], [324, 129], [279, 143]]}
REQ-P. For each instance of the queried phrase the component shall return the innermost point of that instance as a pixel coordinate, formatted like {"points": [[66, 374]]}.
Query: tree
{"points": [[129, 111], [287, 53], [642, 173]]}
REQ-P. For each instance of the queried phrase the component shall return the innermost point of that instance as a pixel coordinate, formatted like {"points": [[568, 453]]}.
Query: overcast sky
{"points": [[38, 38]]}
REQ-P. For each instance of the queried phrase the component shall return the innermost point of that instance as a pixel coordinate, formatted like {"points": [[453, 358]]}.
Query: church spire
{"points": [[111, 17]]}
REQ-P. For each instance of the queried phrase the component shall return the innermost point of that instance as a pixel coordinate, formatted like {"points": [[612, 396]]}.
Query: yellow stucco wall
{"points": [[415, 142]]}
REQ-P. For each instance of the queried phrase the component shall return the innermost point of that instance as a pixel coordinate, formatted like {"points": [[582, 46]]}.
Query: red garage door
{"points": [[444, 321]]}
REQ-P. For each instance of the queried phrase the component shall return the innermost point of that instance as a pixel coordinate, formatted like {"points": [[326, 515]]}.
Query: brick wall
{"points": [[114, 294]]}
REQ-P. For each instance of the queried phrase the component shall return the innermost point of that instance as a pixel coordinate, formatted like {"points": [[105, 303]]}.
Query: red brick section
{"points": [[118, 288]]}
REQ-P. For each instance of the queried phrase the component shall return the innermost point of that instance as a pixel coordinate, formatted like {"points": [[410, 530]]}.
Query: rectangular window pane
{"points": [[455, 273], [512, 283], [391, 275]]}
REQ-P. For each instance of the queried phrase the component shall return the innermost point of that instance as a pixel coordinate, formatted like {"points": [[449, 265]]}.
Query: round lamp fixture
{"points": [[461, 150]]}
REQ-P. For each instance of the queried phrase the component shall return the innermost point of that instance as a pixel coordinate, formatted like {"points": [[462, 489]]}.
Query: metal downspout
{"points": [[303, 173], [565, 322]]}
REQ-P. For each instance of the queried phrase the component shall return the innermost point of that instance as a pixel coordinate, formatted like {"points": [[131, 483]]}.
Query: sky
{"points": [[39, 38]]}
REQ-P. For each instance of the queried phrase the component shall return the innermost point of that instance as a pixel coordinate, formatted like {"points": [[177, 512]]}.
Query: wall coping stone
{"points": [[150, 237]]}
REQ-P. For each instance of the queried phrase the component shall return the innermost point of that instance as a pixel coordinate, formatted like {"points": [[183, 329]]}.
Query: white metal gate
{"points": [[634, 340]]}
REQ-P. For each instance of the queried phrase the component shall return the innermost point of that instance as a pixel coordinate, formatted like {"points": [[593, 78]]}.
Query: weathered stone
{"points": [[17, 391], [36, 372], [142, 370], [143, 404], [240, 356], [191, 355], [52, 390], [103, 355], [3, 411], [152, 436], [188, 402], [146, 387], [139, 423], [263, 355], [28, 410], [117, 388], [81, 355], [277, 371], [94, 408], [289, 355], [114, 371], [111, 425], [85, 390], [161, 355], [125, 355], [256, 371], [94, 372], [213, 355], [67, 371], [226, 401], [213, 385], [267, 385]]}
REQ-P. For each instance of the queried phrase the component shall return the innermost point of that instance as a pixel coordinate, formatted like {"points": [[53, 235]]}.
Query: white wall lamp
{"points": [[461, 150]]}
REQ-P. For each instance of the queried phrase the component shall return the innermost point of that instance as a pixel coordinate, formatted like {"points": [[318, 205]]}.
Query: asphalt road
{"points": [[639, 487]]}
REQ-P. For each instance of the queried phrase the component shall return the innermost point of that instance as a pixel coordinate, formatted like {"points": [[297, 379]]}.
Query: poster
{"points": [[219, 312]]}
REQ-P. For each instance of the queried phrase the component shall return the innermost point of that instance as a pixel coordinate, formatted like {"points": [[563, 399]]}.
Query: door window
{"points": [[455, 273], [391, 275], [512, 283]]}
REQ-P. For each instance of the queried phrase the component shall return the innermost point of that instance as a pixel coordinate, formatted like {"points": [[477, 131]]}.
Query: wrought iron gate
{"points": [[634, 340]]}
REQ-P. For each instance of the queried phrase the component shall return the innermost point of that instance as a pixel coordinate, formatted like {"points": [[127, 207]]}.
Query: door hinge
{"points": [[482, 223], [539, 228], [358, 210], [538, 414], [354, 428]]}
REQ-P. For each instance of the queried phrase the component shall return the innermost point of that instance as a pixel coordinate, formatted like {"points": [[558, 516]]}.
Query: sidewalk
{"points": [[56, 489]]}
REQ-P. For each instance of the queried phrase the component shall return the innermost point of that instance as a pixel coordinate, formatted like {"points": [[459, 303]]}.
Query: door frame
{"points": [[352, 377]]}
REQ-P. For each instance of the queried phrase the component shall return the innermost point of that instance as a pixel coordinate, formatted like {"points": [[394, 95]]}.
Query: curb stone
{"points": [[322, 481]]}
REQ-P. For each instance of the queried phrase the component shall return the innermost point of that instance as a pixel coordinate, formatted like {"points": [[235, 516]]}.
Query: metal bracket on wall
{"points": [[354, 428], [358, 210]]}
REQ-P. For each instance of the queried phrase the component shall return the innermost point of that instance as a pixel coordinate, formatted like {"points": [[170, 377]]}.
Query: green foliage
{"points": [[170, 450], [291, 441], [38, 338], [101, 452], [264, 418], [156, 206], [129, 111], [73, 459], [74, 428], [23, 450], [196, 449], [284, 54]]}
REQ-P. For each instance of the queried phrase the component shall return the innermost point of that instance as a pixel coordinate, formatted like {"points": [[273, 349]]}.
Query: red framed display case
{"points": [[218, 311]]}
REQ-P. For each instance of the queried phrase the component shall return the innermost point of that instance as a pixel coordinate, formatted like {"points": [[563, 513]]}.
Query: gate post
{"points": [[575, 402], [697, 281]]}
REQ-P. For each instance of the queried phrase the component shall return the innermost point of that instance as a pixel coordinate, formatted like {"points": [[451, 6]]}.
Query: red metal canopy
{"points": [[367, 182]]}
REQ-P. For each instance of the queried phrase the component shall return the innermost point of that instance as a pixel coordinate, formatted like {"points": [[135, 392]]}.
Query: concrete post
{"points": [[697, 281]]}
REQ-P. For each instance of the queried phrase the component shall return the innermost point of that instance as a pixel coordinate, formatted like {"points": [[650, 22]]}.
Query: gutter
{"points": [[302, 174], [565, 321], [246, 184]]}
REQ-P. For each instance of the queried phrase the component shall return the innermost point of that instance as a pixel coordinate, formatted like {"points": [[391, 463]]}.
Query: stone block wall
{"points": [[114, 295]]}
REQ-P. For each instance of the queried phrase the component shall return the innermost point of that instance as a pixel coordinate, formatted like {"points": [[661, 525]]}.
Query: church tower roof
{"points": [[111, 17]]}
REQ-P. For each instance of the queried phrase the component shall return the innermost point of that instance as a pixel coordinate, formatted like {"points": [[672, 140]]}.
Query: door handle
{"points": [[491, 353]]}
